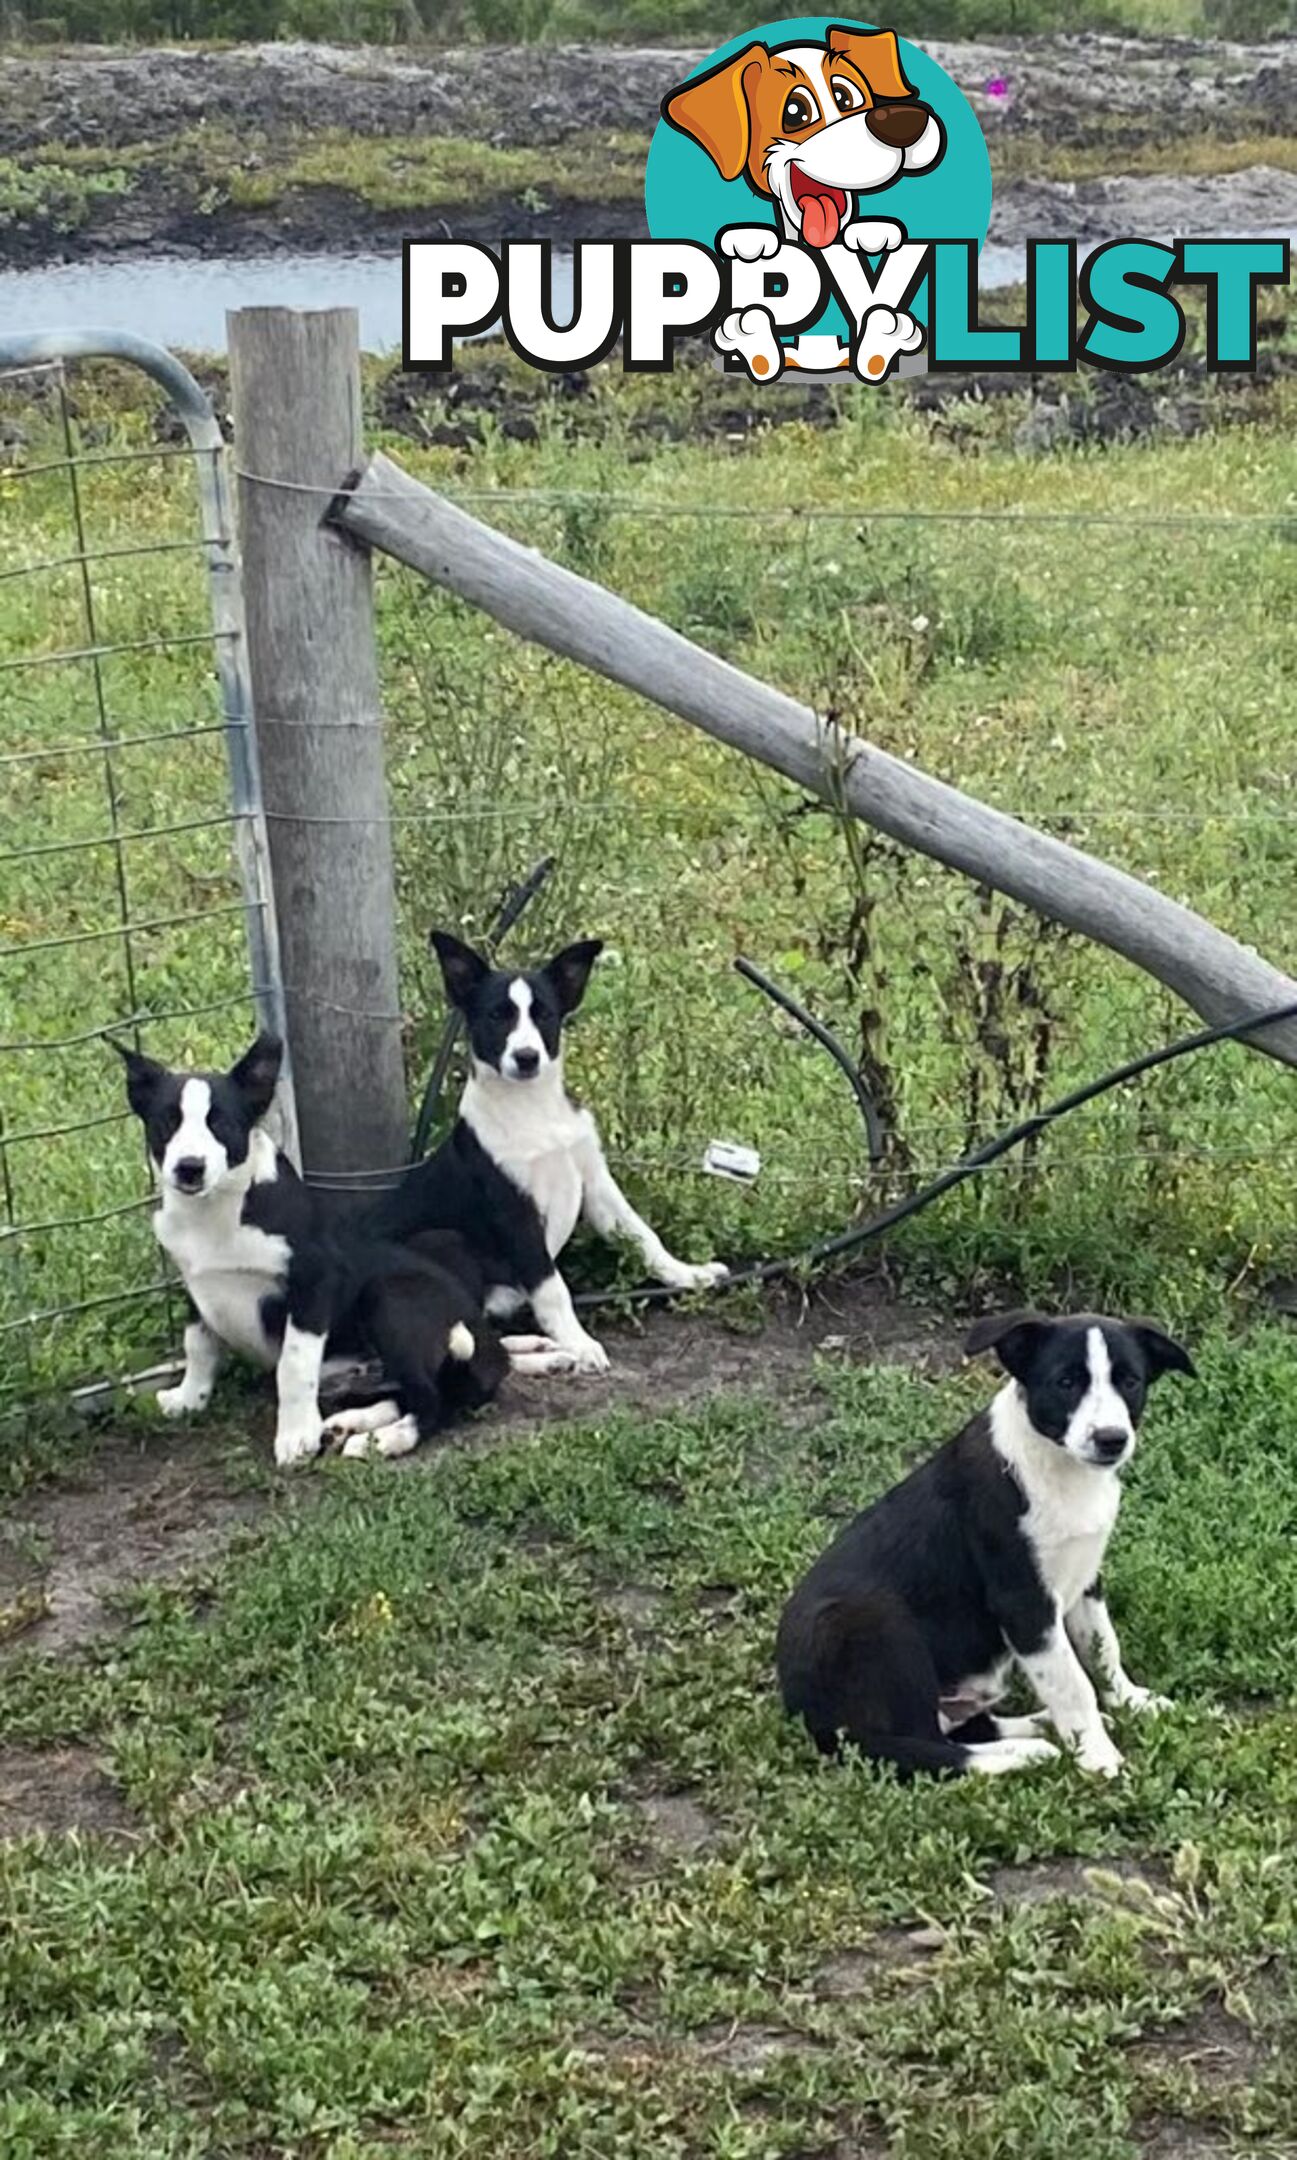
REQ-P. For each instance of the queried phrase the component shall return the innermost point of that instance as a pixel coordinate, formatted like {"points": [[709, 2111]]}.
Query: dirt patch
{"points": [[640, 1608], [147, 1510], [490, 393], [1171, 2139], [672, 1359], [150, 1508], [55, 1790], [1219, 2049], [1105, 1882], [895, 1952], [1136, 90], [1122, 92], [677, 1824], [749, 2047]]}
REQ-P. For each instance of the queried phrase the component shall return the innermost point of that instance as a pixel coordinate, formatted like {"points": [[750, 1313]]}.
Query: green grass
{"points": [[254, 171], [49, 190], [1124, 684], [395, 1884]]}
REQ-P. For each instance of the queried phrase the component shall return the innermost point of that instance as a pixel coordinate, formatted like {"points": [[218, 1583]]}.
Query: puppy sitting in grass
{"points": [[903, 1636]]}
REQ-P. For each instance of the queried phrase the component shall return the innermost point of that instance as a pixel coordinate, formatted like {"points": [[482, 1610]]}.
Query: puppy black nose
{"points": [[897, 125], [189, 1172], [526, 1061], [1109, 1442]]}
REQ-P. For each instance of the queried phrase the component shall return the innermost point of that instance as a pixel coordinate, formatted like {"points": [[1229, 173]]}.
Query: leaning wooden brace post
{"points": [[295, 388], [1219, 977]]}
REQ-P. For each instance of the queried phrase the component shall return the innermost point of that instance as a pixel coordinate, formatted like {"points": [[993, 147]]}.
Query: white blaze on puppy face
{"points": [[194, 1144], [1101, 1409], [524, 1048]]}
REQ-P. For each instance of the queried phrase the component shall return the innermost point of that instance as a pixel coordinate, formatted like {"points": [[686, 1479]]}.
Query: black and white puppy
{"points": [[902, 1637], [267, 1276], [523, 1163]]}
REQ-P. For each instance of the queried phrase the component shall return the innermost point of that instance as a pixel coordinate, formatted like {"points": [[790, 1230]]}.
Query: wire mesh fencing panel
{"points": [[134, 902]]}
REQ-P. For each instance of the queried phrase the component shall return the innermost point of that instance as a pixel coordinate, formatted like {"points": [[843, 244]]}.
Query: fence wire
{"points": [[133, 898]]}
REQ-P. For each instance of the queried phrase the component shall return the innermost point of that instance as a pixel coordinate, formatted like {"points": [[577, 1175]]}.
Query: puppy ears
{"points": [[143, 1076], [1015, 1338], [878, 57], [256, 1073], [461, 968], [1162, 1353], [569, 971], [715, 109]]}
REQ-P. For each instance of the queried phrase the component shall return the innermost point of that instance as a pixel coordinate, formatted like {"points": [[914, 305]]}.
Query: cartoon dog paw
{"points": [[884, 336], [872, 236], [750, 332], [748, 243]]}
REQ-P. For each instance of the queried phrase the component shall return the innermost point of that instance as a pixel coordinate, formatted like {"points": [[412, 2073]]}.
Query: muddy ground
{"points": [[1123, 94], [147, 1505]]}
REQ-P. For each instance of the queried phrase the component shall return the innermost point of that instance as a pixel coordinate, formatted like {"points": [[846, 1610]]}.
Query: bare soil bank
{"points": [[1122, 95], [1063, 87]]}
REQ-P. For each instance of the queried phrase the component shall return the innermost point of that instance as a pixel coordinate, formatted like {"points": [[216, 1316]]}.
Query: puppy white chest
{"points": [[538, 1139], [1071, 1511], [1071, 1506], [228, 1268], [554, 1184]]}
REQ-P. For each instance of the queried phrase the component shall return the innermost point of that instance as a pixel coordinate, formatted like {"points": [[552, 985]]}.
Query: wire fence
{"points": [[135, 901]]}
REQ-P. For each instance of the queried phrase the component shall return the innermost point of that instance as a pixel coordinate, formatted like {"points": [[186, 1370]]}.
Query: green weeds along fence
{"points": [[1110, 674]]}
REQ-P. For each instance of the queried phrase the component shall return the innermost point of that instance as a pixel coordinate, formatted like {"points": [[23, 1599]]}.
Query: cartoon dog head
{"points": [[809, 126]]}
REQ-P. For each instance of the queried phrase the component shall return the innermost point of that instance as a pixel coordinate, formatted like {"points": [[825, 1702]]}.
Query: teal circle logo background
{"points": [[686, 198]]}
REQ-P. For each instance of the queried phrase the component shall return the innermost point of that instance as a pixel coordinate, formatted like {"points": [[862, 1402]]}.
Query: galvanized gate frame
{"points": [[225, 578]]}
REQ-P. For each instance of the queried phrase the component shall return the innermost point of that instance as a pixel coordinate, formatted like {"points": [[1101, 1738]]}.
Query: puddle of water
{"points": [[181, 301]]}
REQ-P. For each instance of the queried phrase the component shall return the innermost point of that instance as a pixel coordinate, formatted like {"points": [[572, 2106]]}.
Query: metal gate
{"points": [[128, 766]]}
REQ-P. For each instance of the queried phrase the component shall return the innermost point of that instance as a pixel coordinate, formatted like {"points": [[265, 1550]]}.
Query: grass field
{"points": [[451, 1811]]}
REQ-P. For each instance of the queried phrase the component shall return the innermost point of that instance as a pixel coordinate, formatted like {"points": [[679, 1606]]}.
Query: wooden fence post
{"points": [[295, 390]]}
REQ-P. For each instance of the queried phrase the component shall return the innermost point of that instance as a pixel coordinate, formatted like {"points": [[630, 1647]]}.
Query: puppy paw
{"points": [[588, 1356], [1099, 1756], [182, 1401], [748, 243], [542, 1363], [400, 1438], [1144, 1701], [750, 332], [884, 336], [1002, 1758], [873, 236], [298, 1442], [682, 1276]]}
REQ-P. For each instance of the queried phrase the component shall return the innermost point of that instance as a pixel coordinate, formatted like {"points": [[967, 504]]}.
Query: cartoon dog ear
{"points": [[1015, 1338], [878, 57], [716, 109], [1161, 1351], [461, 968], [256, 1073], [143, 1077], [569, 971]]}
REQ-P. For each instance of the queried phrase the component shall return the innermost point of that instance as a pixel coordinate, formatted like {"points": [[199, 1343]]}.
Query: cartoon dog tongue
{"points": [[820, 219]]}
